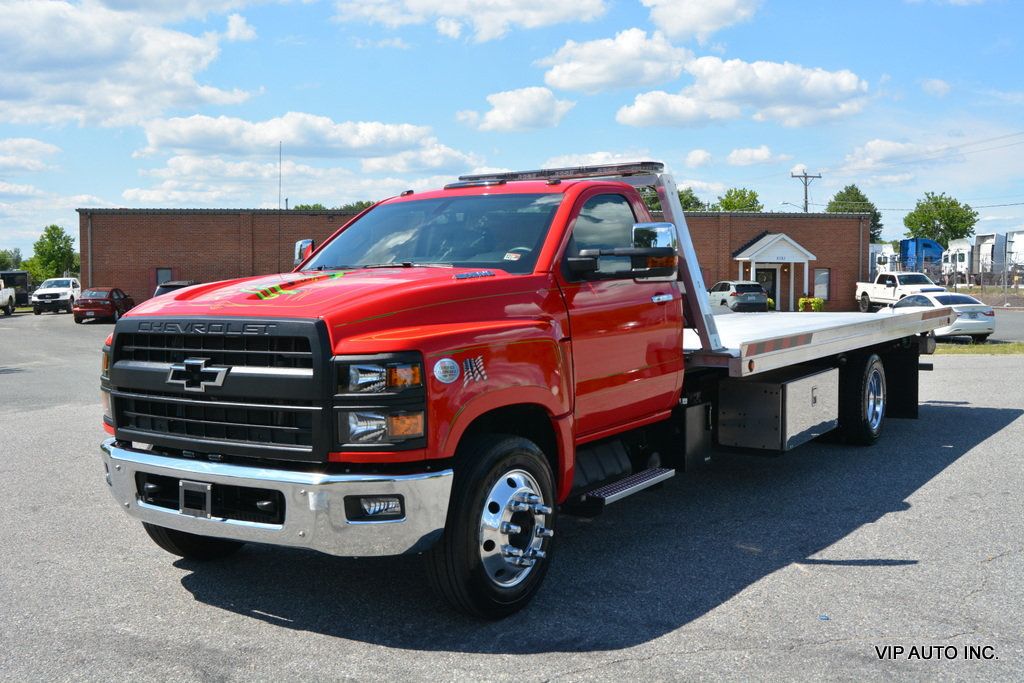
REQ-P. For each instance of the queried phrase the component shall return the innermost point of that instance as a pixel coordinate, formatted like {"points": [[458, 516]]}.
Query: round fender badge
{"points": [[446, 370]]}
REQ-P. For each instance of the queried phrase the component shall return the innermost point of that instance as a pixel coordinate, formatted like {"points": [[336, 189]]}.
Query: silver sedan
{"points": [[974, 319]]}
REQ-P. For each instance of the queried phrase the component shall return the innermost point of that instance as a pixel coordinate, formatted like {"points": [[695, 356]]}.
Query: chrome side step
{"points": [[617, 490]]}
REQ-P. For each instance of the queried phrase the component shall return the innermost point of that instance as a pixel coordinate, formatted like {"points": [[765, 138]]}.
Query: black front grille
{"points": [[219, 419], [242, 503], [47, 297], [255, 351]]}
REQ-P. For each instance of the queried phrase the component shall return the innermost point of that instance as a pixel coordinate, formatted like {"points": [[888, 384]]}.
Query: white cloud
{"points": [[935, 87], [697, 158], [490, 19], [105, 67], [301, 134], [703, 186], [9, 190], [596, 158], [432, 156], [214, 181], [698, 18], [748, 156], [791, 94], [878, 153], [630, 59], [448, 27], [23, 154], [382, 44], [239, 28], [175, 10], [523, 109]]}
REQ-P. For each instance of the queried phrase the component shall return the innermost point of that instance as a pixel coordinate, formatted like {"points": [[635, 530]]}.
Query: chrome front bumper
{"points": [[314, 504]]}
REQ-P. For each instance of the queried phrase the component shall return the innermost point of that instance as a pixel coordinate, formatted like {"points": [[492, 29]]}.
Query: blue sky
{"points": [[182, 103]]}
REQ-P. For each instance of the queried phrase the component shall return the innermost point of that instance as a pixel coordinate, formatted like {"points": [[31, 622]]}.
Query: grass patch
{"points": [[992, 348]]}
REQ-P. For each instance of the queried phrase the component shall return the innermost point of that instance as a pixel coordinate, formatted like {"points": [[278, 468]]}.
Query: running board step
{"points": [[617, 490]]}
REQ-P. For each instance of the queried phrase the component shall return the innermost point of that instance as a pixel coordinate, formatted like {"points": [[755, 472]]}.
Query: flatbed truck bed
{"points": [[758, 342]]}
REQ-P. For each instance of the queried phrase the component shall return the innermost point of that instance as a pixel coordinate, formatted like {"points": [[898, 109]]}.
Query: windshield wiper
{"points": [[408, 264], [336, 267]]}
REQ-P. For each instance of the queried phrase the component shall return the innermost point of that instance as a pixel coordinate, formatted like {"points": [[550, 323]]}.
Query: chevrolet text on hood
{"points": [[453, 369]]}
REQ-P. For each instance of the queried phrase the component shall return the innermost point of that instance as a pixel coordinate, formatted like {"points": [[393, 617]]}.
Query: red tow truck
{"points": [[453, 369]]}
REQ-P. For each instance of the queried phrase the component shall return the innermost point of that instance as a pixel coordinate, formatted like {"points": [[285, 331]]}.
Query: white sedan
{"points": [[973, 318]]}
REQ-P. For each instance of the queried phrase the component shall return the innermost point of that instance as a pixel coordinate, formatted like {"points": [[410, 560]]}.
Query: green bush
{"points": [[811, 303], [771, 304]]}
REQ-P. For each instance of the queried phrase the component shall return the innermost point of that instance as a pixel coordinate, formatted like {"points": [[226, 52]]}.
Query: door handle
{"points": [[661, 298]]}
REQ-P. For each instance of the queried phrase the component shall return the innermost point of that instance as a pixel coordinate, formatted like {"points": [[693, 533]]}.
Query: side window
{"points": [[605, 222]]}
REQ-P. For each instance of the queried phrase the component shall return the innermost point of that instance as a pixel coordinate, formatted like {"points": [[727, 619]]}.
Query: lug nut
{"points": [[541, 532], [536, 553], [511, 551], [510, 528], [539, 509]]}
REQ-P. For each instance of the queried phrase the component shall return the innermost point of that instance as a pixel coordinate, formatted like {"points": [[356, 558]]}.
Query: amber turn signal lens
{"points": [[405, 425], [404, 376], [661, 261]]}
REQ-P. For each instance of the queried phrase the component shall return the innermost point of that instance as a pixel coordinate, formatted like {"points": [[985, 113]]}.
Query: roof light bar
{"points": [[482, 182], [573, 172]]}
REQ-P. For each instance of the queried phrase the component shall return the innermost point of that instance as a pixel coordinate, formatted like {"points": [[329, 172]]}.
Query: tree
{"points": [[687, 198], [10, 259], [940, 218], [354, 207], [53, 254], [309, 207], [738, 199], [851, 200]]}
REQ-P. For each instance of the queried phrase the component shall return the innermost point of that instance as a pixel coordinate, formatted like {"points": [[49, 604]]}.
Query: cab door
{"points": [[626, 334]]}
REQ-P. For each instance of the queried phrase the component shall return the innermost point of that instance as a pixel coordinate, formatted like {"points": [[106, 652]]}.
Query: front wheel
{"points": [[191, 546], [862, 396], [71, 305], [36, 311], [496, 545], [9, 308], [865, 303]]}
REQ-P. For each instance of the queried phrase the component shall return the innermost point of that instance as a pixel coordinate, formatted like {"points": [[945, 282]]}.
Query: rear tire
{"points": [[481, 566], [862, 396], [78, 321], [865, 303], [191, 546], [979, 338]]}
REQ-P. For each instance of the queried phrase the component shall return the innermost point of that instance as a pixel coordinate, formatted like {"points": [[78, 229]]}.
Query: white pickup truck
{"points": [[6, 298], [888, 288]]}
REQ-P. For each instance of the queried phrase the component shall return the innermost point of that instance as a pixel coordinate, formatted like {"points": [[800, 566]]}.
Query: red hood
{"points": [[306, 294]]}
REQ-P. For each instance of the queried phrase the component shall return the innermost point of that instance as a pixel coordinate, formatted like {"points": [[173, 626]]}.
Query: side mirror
{"points": [[303, 248]]}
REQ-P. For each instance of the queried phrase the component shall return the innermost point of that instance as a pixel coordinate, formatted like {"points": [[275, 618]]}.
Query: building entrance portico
{"points": [[771, 259]]}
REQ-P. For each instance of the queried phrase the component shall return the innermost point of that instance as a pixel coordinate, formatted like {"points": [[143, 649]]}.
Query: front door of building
{"points": [[768, 279]]}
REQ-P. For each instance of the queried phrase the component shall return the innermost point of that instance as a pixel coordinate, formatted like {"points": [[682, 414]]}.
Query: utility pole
{"points": [[806, 180]]}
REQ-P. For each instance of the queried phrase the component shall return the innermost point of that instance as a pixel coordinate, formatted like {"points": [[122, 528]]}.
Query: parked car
{"points": [[102, 302], [974, 319], [56, 294], [739, 295], [172, 285], [6, 298]]}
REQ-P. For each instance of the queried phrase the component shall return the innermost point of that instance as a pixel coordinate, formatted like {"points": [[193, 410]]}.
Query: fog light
{"points": [[374, 508]]}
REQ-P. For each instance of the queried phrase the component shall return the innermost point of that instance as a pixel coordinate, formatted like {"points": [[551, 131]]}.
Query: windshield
{"points": [[915, 279], [55, 284], [494, 231]]}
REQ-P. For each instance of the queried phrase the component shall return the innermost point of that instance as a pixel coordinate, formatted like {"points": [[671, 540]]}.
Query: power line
{"points": [[806, 180]]}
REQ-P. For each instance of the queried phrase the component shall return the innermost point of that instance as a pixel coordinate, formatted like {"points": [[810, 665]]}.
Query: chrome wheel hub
{"points": [[875, 399], [512, 528]]}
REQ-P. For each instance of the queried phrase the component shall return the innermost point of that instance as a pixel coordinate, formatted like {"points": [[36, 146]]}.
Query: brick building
{"points": [[791, 253]]}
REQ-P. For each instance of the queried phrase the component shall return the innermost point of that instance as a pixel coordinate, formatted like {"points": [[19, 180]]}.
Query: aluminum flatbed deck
{"points": [[759, 342]]}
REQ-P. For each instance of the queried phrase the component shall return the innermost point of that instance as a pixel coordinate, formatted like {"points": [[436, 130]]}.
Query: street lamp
{"points": [[792, 204]]}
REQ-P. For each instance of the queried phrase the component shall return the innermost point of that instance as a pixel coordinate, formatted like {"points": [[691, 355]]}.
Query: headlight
{"points": [[375, 378], [379, 426]]}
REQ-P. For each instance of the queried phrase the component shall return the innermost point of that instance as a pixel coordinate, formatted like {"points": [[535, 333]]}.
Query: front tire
{"points": [[496, 546], [191, 546], [36, 311], [71, 305], [865, 303], [862, 397], [9, 308]]}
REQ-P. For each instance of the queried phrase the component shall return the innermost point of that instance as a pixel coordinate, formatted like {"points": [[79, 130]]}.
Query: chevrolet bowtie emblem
{"points": [[195, 376]]}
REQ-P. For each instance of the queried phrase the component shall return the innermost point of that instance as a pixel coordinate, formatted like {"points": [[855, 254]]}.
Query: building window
{"points": [[163, 275], [821, 278]]}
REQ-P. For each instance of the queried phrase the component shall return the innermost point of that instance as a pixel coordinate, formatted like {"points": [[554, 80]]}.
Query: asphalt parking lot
{"points": [[801, 567]]}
